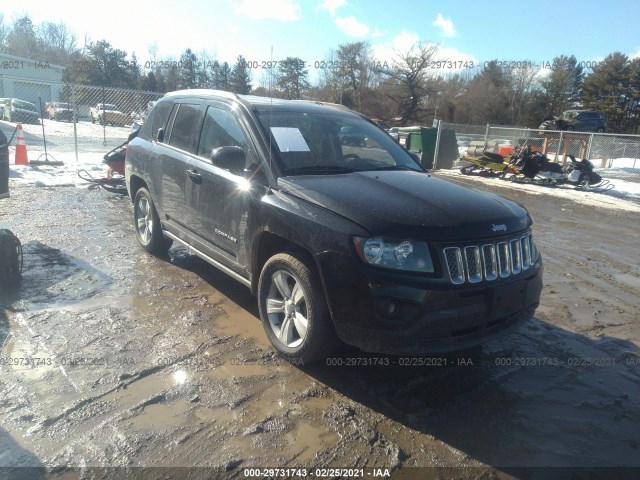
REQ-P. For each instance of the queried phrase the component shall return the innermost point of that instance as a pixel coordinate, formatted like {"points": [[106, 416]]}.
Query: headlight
{"points": [[406, 255]]}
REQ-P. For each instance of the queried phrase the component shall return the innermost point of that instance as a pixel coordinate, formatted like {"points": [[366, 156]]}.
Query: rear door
{"points": [[175, 156]]}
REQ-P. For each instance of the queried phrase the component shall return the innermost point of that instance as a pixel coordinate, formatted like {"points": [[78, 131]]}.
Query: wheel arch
{"points": [[135, 183], [268, 244]]}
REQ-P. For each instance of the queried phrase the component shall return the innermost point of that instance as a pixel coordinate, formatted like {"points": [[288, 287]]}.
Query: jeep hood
{"points": [[405, 204]]}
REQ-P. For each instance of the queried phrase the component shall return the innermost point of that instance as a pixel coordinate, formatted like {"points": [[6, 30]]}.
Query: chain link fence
{"points": [[70, 122], [73, 122], [619, 154]]}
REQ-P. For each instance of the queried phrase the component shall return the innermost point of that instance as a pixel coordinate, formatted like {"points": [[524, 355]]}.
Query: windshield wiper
{"points": [[322, 169]]}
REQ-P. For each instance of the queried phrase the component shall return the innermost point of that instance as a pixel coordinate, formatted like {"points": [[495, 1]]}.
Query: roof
{"points": [[259, 103]]}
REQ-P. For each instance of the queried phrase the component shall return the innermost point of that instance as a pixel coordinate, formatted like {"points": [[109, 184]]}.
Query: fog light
{"points": [[387, 309]]}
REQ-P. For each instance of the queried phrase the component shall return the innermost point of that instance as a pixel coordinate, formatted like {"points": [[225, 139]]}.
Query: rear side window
{"points": [[185, 127], [157, 119]]}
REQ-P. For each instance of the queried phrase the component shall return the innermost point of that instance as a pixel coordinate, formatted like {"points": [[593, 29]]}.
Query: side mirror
{"points": [[229, 158], [160, 136], [416, 157]]}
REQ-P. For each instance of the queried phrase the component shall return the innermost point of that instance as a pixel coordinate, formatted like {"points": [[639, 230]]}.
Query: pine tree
{"points": [[188, 69], [292, 77], [240, 78], [563, 85], [607, 90]]}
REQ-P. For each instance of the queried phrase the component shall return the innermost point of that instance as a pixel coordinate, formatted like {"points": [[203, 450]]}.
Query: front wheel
{"points": [[293, 309], [147, 224]]}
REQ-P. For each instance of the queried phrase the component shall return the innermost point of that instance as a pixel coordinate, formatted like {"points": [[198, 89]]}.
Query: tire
{"points": [[147, 224], [290, 294]]}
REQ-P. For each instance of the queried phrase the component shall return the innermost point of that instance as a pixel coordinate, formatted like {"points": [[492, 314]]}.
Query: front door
{"points": [[222, 201]]}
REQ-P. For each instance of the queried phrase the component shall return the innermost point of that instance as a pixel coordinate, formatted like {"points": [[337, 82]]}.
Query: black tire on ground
{"points": [[293, 309], [147, 224]]}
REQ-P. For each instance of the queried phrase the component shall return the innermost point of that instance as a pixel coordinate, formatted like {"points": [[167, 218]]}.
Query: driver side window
{"points": [[221, 129]]}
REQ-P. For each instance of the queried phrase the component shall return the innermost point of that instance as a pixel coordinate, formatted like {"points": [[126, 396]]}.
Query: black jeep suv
{"points": [[339, 240]]}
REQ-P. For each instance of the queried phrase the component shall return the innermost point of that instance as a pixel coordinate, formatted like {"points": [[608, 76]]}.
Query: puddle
{"points": [[628, 279], [237, 321], [162, 415], [230, 370], [309, 440]]}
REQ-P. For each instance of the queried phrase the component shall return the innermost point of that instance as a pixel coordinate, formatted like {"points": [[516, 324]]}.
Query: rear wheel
{"points": [[293, 309], [147, 224]]}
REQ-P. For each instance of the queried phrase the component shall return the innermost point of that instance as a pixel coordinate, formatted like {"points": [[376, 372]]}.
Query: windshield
{"points": [[25, 105], [62, 105], [569, 115], [312, 143]]}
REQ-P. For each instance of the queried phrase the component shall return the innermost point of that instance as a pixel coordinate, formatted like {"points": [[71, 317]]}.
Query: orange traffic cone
{"points": [[21, 147]]}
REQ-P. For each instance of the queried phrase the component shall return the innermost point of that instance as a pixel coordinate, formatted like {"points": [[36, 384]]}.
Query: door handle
{"points": [[194, 175]]}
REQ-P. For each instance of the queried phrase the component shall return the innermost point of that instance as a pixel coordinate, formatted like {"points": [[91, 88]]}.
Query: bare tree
{"points": [[4, 31], [522, 92], [346, 73], [58, 40], [410, 84]]}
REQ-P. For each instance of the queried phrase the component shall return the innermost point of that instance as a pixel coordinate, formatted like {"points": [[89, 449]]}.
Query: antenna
{"points": [[270, 111]]}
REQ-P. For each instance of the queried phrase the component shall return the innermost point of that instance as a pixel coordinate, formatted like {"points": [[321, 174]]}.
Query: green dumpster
{"points": [[422, 140]]}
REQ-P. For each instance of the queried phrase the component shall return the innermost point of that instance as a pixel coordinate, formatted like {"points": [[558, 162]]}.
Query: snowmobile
{"points": [[536, 168], [489, 164], [580, 174], [114, 159]]}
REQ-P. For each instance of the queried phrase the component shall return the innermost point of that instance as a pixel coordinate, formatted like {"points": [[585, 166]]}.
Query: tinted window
{"points": [[25, 105], [220, 129], [185, 127], [156, 119]]}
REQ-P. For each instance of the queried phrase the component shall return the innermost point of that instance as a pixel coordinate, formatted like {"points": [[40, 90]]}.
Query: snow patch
{"points": [[58, 176], [625, 195]]}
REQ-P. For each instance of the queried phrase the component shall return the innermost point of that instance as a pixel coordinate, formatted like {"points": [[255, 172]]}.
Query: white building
{"points": [[28, 79]]}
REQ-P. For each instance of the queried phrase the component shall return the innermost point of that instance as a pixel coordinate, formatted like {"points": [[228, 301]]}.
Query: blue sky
{"points": [[309, 29]]}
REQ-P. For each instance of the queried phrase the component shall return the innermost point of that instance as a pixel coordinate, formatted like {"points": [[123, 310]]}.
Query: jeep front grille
{"points": [[491, 260]]}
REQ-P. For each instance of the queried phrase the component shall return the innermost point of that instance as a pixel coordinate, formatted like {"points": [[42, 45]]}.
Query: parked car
{"points": [[352, 136], [58, 111], [109, 114], [395, 134], [16, 110], [578, 120], [337, 241]]}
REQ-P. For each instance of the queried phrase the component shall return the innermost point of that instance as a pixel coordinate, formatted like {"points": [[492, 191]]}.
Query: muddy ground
{"points": [[114, 358]]}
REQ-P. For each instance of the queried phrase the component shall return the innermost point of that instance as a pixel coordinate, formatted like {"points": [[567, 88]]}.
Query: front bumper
{"points": [[394, 313]]}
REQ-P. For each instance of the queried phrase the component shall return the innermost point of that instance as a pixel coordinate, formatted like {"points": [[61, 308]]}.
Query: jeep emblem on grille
{"points": [[499, 228]]}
